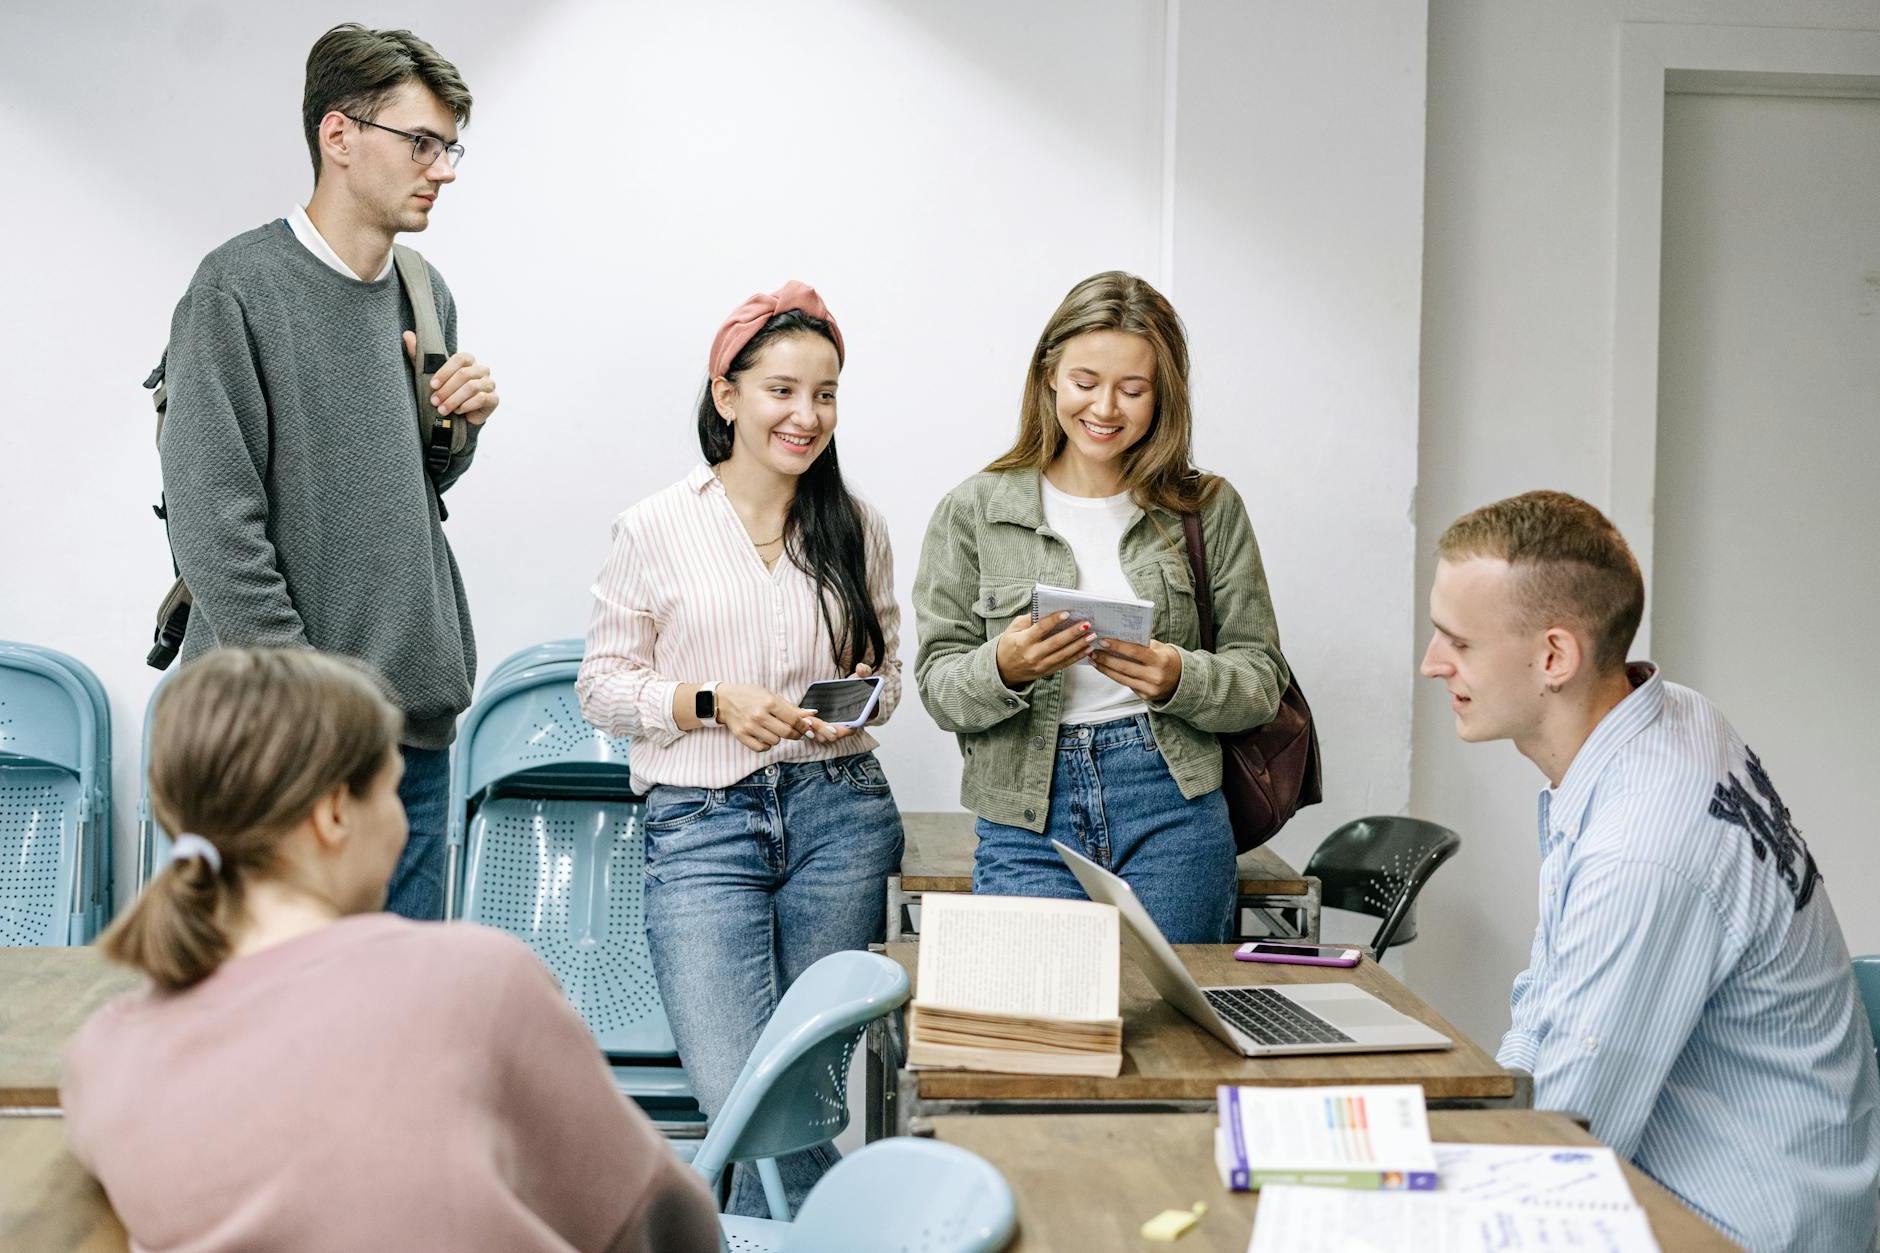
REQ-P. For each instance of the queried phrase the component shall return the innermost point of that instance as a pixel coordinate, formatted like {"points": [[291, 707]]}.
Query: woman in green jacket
{"points": [[1116, 757]]}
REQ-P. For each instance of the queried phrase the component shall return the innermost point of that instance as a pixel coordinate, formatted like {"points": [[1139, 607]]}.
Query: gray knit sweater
{"points": [[299, 511]]}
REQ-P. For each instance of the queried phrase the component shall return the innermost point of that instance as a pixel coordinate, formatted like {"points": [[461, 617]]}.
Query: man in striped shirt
{"points": [[1689, 990]]}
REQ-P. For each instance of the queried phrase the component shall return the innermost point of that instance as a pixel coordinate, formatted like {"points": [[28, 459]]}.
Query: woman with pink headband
{"points": [[770, 833]]}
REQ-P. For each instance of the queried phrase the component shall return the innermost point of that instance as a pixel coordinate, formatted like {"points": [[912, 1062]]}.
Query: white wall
{"points": [[1298, 264], [943, 173], [1516, 387]]}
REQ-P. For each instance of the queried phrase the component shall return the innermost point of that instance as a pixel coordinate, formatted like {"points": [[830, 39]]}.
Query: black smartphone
{"points": [[843, 702]]}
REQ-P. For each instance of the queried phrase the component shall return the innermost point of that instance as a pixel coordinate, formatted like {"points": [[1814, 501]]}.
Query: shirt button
{"points": [[1037, 741], [1592, 1045], [1010, 703], [1031, 815]]}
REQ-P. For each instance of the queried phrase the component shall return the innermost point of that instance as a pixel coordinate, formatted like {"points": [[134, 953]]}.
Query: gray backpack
{"points": [[441, 438]]}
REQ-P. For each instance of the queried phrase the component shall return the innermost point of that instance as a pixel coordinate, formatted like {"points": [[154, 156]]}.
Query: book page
{"points": [[1335, 1220], [1019, 955], [1129, 620]]}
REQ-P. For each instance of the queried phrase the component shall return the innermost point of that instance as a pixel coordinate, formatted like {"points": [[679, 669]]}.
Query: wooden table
{"points": [[1171, 1064], [45, 996], [939, 858], [47, 1201], [1089, 1181]]}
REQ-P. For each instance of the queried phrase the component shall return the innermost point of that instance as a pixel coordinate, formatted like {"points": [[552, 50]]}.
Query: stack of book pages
{"points": [[1016, 984]]}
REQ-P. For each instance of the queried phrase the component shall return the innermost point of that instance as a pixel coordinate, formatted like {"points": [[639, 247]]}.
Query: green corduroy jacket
{"points": [[988, 545]]}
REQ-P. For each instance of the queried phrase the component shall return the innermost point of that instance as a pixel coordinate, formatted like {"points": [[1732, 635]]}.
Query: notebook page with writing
{"points": [[1581, 1176], [1333, 1220], [1019, 955]]}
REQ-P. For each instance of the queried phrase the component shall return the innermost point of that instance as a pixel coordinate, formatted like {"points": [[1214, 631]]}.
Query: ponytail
{"points": [[177, 930], [243, 744]]}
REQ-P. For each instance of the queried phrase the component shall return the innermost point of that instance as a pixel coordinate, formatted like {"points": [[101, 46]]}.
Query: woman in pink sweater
{"points": [[305, 1072]]}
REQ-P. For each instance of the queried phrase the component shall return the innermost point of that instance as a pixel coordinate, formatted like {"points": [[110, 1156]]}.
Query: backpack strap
{"points": [[1198, 567], [173, 613], [440, 437]]}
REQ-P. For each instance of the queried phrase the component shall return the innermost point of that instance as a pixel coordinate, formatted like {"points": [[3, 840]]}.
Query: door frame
{"points": [[1657, 59]]}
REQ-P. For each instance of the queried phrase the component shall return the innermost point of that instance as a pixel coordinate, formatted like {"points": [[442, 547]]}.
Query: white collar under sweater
{"points": [[309, 235]]}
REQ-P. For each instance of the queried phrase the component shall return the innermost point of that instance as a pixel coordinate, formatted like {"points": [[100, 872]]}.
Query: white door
{"points": [[1767, 595]]}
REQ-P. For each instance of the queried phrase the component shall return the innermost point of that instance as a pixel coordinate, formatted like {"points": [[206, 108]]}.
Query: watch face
{"points": [[705, 706]]}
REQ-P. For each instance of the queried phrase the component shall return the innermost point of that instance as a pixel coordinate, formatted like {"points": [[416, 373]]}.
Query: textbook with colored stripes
{"points": [[1369, 1136]]}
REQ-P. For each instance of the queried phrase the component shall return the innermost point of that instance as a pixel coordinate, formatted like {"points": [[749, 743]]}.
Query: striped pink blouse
{"points": [[684, 598]]}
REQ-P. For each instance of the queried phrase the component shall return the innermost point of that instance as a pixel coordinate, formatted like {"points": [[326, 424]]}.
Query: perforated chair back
{"points": [[55, 806], [1377, 866], [1867, 979], [525, 734], [551, 843], [530, 723], [566, 877], [793, 1091]]}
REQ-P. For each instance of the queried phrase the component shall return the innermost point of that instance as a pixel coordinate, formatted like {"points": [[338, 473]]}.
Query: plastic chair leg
{"points": [[773, 1188]]}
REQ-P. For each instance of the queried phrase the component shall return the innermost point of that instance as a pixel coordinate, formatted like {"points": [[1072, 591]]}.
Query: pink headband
{"points": [[749, 318]]}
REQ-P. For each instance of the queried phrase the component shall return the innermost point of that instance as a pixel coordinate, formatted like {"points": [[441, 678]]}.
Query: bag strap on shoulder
{"points": [[440, 437], [1198, 567]]}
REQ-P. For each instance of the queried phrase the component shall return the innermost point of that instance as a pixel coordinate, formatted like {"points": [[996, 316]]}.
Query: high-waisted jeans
{"points": [[747, 886], [1114, 800]]}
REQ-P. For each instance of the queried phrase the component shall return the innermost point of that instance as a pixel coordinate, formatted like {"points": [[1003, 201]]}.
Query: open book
{"points": [[1016, 984]]}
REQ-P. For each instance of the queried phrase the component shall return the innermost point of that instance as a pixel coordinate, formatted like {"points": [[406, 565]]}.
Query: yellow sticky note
{"points": [[1172, 1224]]}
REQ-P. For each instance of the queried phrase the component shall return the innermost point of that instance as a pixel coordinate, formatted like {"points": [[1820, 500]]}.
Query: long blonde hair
{"points": [[1159, 470], [243, 744]]}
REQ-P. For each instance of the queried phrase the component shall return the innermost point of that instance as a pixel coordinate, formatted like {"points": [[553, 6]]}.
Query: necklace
{"points": [[756, 543]]}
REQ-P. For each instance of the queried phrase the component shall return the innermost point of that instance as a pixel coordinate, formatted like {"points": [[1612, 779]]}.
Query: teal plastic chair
{"points": [[534, 655], [55, 799], [793, 1092], [548, 842], [153, 842], [895, 1196], [1867, 979]]}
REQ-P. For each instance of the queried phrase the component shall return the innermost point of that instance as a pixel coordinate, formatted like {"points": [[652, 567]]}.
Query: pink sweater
{"points": [[377, 1084]]}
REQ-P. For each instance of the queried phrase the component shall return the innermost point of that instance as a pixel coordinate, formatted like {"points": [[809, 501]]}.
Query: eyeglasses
{"points": [[425, 149]]}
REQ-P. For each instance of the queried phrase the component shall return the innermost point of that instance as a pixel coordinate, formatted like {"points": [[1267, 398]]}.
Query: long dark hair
{"points": [[822, 531]]}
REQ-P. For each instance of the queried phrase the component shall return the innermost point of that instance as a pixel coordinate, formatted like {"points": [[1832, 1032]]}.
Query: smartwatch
{"points": [[705, 703]]}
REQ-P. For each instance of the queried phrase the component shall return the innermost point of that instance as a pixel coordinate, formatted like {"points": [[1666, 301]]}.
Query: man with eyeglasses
{"points": [[300, 509]]}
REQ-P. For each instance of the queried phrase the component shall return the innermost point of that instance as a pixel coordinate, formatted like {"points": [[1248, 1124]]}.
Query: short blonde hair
{"points": [[243, 744], [1159, 470], [1573, 566]]}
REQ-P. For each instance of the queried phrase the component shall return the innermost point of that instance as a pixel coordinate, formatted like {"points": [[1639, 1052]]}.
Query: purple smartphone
{"points": [[1298, 954]]}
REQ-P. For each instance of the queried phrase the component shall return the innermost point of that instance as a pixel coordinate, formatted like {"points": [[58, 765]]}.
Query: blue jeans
{"points": [[1113, 799], [417, 887], [747, 886]]}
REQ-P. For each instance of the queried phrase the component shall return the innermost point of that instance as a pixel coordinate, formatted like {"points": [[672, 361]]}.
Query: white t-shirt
{"points": [[1093, 527]]}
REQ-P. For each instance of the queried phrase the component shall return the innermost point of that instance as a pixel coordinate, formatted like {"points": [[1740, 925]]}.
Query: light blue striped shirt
{"points": [[1689, 991]]}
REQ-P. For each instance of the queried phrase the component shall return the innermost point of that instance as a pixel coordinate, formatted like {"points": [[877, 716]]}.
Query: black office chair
{"points": [[1377, 866]]}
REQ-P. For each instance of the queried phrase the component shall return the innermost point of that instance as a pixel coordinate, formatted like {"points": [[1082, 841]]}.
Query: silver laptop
{"points": [[1255, 1021]]}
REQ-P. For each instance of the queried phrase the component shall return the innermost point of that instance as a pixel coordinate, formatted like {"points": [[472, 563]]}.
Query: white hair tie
{"points": [[187, 846]]}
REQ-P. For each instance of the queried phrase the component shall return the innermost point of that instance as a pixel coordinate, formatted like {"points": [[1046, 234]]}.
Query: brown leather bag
{"points": [[1270, 772]]}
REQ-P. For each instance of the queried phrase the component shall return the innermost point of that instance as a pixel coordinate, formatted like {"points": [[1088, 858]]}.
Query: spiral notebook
{"points": [[1109, 619]]}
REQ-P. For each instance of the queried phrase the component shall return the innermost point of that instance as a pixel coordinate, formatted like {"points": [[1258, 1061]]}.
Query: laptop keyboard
{"points": [[1269, 1018]]}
